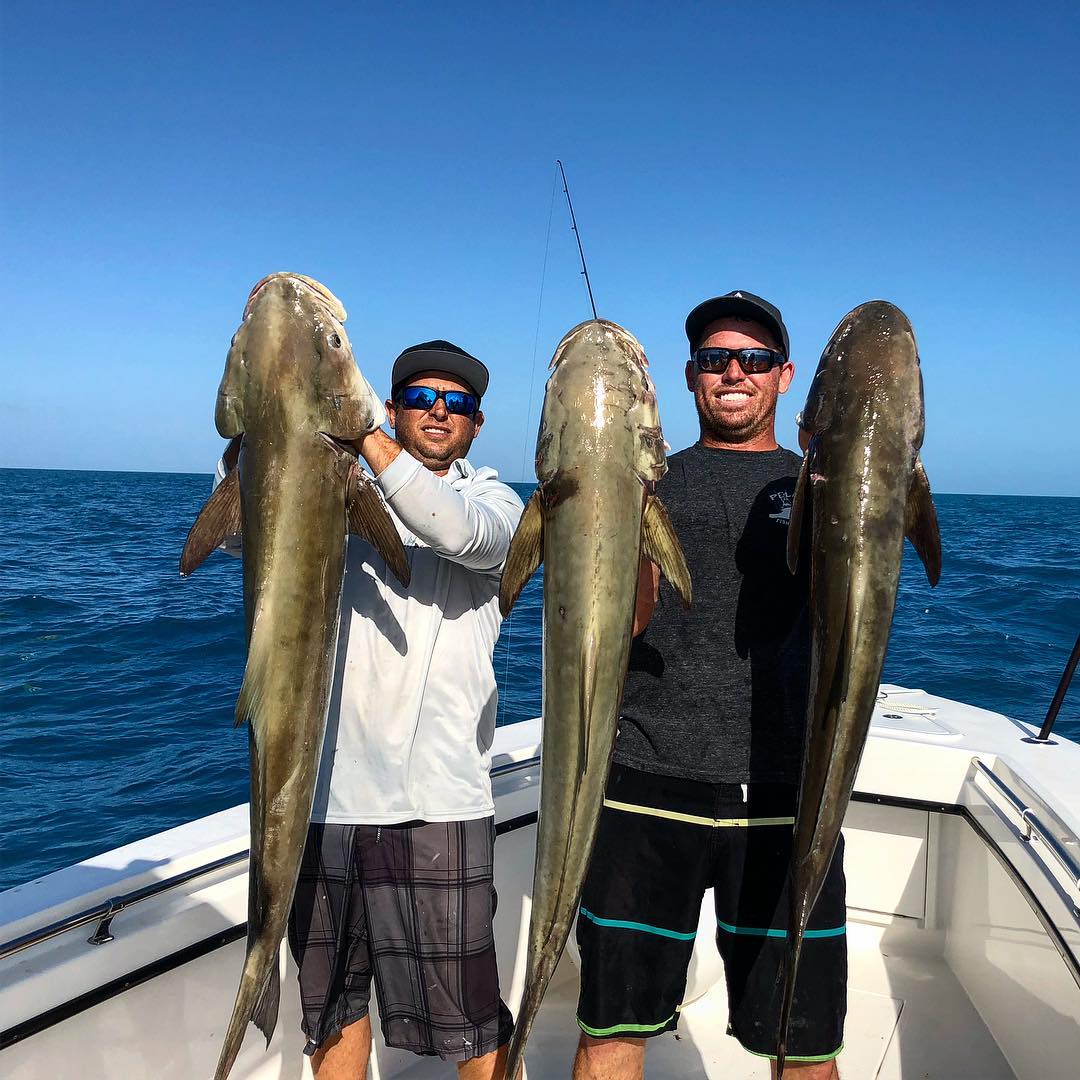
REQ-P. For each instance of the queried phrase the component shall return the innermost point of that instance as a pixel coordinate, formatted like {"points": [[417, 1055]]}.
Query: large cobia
{"points": [[863, 488], [291, 389], [599, 454]]}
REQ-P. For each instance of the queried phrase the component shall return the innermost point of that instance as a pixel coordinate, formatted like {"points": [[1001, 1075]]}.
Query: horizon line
{"points": [[178, 472]]}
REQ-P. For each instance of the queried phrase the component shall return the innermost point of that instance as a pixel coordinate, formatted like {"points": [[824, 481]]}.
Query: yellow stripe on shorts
{"points": [[695, 819]]}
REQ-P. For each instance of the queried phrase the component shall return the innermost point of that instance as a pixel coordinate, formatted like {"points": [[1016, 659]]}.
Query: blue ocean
{"points": [[118, 678]]}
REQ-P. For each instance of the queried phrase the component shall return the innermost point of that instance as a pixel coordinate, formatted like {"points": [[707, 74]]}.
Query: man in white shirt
{"points": [[396, 882]]}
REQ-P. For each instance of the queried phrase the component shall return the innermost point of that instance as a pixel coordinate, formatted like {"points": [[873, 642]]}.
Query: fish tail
{"points": [[514, 1058], [265, 1014], [530, 1004], [790, 970], [256, 1001]]}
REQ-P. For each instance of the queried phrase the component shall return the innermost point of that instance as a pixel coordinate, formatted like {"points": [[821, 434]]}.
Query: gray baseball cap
{"points": [[440, 356], [737, 305]]}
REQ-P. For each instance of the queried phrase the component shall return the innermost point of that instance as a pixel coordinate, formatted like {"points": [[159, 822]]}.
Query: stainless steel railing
{"points": [[1032, 824], [104, 912]]}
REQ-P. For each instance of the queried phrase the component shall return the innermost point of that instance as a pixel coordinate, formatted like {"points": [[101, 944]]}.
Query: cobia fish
{"points": [[291, 390], [863, 487], [599, 455]]}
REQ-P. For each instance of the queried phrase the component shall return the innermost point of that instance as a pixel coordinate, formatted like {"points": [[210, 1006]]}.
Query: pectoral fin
{"points": [[219, 517], [526, 554], [369, 518], [798, 507], [921, 523], [660, 544]]}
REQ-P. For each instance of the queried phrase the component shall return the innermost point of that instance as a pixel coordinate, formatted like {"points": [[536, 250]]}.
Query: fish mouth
{"points": [[339, 446], [325, 297]]}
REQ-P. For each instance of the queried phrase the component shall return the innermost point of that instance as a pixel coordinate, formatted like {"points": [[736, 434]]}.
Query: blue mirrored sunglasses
{"points": [[457, 402]]}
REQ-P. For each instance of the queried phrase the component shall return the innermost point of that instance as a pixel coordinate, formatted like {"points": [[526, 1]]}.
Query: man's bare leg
{"points": [[344, 1056], [611, 1059], [489, 1067], [809, 1070]]}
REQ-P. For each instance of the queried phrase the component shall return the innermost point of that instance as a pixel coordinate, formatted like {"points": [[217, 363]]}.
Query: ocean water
{"points": [[118, 678]]}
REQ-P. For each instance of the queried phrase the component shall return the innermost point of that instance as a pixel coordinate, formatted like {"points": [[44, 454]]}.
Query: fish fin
{"points": [[921, 523], [265, 1014], [525, 555], [798, 509], [219, 517], [249, 701], [661, 545], [369, 518]]}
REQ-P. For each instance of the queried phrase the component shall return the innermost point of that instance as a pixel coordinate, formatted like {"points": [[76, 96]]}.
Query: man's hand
{"points": [[377, 449]]}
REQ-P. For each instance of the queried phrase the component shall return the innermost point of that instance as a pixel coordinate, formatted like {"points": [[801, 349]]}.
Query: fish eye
{"points": [[335, 341]]}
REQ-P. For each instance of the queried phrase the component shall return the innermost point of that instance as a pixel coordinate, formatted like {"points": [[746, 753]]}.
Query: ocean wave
{"points": [[118, 679]]}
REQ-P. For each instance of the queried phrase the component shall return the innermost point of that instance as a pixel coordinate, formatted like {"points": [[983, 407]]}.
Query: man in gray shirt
{"points": [[706, 765]]}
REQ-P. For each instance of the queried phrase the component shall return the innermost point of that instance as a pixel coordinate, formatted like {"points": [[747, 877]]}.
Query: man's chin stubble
{"points": [[444, 455], [727, 433]]}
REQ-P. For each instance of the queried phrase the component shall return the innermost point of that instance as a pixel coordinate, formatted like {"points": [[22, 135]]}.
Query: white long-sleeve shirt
{"points": [[413, 704]]}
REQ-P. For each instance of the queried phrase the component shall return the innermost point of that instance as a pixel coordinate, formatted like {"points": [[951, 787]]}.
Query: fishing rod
{"points": [[1059, 696], [532, 374], [577, 236]]}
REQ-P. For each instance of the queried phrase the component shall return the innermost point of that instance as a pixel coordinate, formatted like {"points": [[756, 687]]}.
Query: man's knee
{"points": [[345, 1053], [609, 1059], [809, 1070]]}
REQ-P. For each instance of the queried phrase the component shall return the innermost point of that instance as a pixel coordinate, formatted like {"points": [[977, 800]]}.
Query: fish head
{"points": [[600, 392], [291, 361], [871, 362]]}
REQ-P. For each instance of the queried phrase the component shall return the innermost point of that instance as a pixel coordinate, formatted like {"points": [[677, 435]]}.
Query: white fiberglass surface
{"points": [[949, 977]]}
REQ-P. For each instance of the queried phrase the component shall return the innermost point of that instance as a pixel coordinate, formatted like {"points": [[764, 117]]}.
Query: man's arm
{"points": [[474, 529], [378, 450], [648, 592]]}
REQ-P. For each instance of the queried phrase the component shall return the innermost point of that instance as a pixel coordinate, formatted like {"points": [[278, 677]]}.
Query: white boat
{"points": [[963, 869]]}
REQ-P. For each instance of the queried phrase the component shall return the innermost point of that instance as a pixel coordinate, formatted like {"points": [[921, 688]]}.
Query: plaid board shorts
{"points": [[410, 906], [661, 843]]}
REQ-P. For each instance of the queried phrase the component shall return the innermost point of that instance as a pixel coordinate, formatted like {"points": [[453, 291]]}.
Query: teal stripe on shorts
{"points": [[623, 924], [766, 931]]}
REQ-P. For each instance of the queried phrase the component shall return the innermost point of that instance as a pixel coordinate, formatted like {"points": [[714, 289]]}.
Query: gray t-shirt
{"points": [[718, 693]]}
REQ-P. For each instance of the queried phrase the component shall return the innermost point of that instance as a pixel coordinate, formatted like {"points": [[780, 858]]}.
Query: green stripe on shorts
{"points": [[630, 1029], [796, 1057]]}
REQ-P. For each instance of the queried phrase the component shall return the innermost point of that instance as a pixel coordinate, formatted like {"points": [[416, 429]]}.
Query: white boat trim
{"points": [[929, 802]]}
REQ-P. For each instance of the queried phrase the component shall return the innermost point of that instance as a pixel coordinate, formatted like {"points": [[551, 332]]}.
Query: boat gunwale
{"points": [[60, 1012]]}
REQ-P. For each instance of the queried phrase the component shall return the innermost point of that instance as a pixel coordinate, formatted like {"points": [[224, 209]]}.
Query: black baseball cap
{"points": [[737, 305], [440, 356]]}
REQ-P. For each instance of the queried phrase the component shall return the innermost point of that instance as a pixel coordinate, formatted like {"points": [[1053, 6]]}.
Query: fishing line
{"points": [[528, 419], [536, 336]]}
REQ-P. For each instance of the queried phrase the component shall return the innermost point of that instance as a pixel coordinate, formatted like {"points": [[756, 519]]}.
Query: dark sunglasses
{"points": [[752, 361], [457, 402]]}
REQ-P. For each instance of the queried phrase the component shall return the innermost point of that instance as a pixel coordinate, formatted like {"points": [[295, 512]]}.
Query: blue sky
{"points": [[158, 160]]}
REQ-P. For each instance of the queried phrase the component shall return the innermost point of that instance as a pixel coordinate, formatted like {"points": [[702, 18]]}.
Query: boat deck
{"points": [[895, 1030], [963, 930], [908, 1017]]}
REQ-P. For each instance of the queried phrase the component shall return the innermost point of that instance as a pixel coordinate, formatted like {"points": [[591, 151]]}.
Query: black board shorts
{"points": [[410, 906], [662, 842]]}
